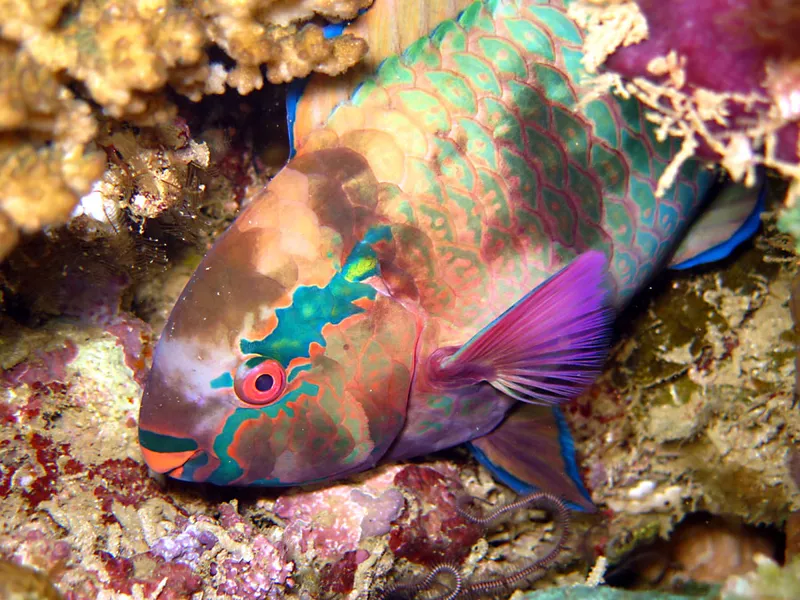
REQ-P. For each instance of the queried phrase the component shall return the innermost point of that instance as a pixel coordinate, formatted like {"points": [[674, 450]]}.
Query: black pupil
{"points": [[264, 382]]}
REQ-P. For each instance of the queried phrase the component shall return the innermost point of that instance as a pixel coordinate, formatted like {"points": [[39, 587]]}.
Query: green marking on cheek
{"points": [[158, 442], [223, 381], [443, 403], [201, 460], [312, 308], [229, 469], [296, 371]]}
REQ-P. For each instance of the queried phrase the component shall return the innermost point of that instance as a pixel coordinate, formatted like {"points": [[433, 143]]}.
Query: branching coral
{"points": [[727, 83], [66, 68], [258, 32], [45, 160]]}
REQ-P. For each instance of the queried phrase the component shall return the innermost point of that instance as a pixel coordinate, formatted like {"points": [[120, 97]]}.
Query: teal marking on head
{"points": [[297, 370], [301, 323], [159, 442], [223, 381], [229, 469], [191, 465]]}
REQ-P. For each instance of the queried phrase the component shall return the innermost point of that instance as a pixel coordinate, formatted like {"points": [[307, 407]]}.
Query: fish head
{"points": [[284, 360]]}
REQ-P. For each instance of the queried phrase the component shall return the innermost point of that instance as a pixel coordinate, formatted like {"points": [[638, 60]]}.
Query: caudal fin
{"points": [[731, 218]]}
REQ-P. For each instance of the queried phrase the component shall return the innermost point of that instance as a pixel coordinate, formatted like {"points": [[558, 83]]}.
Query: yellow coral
{"points": [[45, 163], [256, 32], [124, 55]]}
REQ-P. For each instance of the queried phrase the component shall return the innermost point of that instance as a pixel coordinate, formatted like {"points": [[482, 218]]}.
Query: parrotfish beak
{"points": [[172, 434], [163, 453]]}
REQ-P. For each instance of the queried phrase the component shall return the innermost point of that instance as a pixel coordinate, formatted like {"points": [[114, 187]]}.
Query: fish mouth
{"points": [[169, 463], [166, 454]]}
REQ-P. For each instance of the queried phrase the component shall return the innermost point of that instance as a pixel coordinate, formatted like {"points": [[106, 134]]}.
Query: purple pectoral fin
{"points": [[533, 450], [546, 348]]}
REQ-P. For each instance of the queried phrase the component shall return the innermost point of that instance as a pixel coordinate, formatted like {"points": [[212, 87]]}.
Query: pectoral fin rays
{"points": [[546, 348]]}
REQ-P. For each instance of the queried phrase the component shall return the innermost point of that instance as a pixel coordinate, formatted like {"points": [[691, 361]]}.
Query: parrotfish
{"points": [[440, 263]]}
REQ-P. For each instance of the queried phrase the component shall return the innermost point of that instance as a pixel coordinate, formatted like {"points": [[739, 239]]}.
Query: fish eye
{"points": [[260, 384]]}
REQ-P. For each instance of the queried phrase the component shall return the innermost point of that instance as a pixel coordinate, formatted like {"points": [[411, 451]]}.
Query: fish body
{"points": [[443, 252]]}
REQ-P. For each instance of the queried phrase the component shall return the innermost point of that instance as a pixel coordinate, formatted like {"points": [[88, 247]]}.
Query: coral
{"points": [[437, 532], [256, 32], [22, 583], [406, 509], [126, 52], [697, 395], [87, 513], [686, 405], [332, 521], [768, 581], [408, 21], [737, 105], [127, 59], [165, 194]]}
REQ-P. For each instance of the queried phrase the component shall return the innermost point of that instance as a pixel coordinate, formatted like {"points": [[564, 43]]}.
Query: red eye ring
{"points": [[259, 385]]}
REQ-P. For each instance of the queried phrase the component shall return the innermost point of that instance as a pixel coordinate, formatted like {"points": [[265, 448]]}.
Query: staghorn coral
{"points": [[74, 72]]}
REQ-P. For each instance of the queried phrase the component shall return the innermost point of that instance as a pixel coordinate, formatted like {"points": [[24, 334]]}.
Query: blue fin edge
{"points": [[567, 453], [296, 87], [723, 250]]}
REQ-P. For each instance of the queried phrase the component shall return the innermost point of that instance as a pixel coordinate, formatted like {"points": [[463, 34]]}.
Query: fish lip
{"points": [[177, 472], [168, 463]]}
